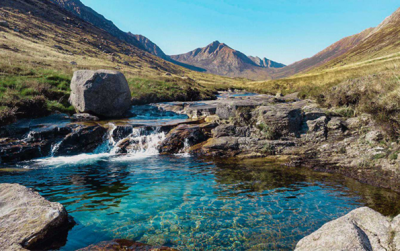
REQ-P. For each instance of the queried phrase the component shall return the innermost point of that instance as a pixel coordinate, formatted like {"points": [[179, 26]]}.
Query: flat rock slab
{"points": [[26, 218], [361, 229]]}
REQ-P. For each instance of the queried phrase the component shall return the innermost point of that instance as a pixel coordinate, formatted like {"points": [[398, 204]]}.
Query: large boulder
{"points": [[26, 218], [361, 229], [102, 93]]}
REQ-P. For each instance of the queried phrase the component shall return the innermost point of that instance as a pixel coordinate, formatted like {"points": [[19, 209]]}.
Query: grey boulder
{"points": [[27, 218], [102, 93], [361, 229]]}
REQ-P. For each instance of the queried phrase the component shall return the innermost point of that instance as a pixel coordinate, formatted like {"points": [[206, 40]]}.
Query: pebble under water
{"points": [[192, 204]]}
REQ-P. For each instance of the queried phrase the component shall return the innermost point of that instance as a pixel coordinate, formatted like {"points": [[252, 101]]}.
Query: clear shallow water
{"points": [[189, 203]]}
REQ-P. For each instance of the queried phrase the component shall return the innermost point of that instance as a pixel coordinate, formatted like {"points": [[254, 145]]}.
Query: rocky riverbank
{"points": [[298, 132]]}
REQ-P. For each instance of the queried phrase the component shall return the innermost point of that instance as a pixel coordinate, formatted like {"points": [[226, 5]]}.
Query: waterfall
{"points": [[141, 143], [185, 150], [55, 148]]}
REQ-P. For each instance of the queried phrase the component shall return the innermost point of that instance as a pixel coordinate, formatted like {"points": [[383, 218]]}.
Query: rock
{"points": [[185, 134], [119, 245], [82, 117], [211, 119], [121, 132], [4, 23], [59, 47], [374, 136], [229, 110], [283, 118], [361, 229], [82, 140], [20, 150], [396, 233], [27, 219], [102, 93], [223, 146], [231, 130]]}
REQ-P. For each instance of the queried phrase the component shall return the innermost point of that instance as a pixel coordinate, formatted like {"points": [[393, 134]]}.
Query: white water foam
{"points": [[71, 160], [185, 150], [145, 146]]}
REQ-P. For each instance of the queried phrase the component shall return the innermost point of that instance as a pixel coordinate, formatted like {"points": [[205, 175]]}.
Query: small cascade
{"points": [[55, 148], [109, 141], [185, 149], [141, 143], [29, 137]]}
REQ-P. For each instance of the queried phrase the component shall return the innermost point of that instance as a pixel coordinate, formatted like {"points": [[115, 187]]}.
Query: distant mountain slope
{"points": [[77, 8], [266, 63], [149, 46], [335, 50], [80, 10], [219, 58], [381, 41]]}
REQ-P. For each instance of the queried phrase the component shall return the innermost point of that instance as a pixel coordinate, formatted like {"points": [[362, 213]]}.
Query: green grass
{"points": [[169, 89], [48, 91]]}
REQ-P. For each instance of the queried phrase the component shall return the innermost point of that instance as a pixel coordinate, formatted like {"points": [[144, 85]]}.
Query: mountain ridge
{"points": [[219, 58]]}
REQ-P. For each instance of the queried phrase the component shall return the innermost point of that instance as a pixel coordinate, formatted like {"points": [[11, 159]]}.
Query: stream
{"points": [[185, 202]]}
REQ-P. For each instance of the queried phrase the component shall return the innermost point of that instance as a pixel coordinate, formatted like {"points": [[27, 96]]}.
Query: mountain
{"points": [[382, 41], [77, 8], [149, 46], [219, 58], [266, 63], [333, 51], [369, 44]]}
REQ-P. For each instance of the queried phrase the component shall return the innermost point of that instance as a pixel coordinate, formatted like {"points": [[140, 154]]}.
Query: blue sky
{"points": [[282, 30]]}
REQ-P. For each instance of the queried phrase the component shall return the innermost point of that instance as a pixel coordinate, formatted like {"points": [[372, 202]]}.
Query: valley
{"points": [[122, 145]]}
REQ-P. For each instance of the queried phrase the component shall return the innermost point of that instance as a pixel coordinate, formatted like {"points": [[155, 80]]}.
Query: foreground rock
{"points": [[102, 93], [27, 219], [361, 229], [123, 245]]}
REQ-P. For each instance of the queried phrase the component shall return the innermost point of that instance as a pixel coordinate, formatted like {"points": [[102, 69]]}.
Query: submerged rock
{"points": [[119, 245], [361, 229], [102, 93], [27, 219]]}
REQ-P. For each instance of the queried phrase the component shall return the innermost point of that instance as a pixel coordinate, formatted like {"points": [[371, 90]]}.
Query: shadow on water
{"points": [[258, 175]]}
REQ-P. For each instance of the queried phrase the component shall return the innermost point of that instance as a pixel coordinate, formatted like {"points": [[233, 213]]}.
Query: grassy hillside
{"points": [[41, 45], [371, 86]]}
